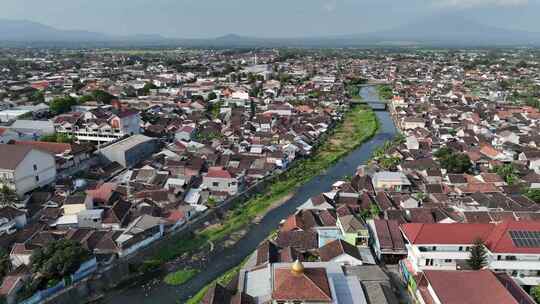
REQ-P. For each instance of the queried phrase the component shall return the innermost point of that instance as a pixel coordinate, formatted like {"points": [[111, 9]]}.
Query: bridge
{"points": [[376, 105]]}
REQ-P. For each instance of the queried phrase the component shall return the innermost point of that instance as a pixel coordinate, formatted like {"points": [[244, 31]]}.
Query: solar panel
{"points": [[525, 239]]}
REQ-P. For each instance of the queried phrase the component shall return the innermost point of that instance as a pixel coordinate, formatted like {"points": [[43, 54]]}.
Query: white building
{"points": [[512, 247], [24, 169], [86, 127], [218, 179]]}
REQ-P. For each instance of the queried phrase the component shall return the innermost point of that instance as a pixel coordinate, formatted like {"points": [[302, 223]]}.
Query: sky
{"points": [[261, 18]]}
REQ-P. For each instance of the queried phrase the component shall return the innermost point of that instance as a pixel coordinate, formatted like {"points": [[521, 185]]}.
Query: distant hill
{"points": [[453, 29], [440, 30], [28, 31]]}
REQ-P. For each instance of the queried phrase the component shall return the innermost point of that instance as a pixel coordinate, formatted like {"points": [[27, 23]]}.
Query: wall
{"points": [[25, 174]]}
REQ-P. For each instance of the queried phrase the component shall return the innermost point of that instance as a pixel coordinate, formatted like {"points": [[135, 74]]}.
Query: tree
{"points": [[5, 263], [535, 293], [8, 197], [62, 105], [212, 96], [533, 194], [58, 259], [453, 162], [37, 97], [103, 97], [478, 255], [507, 172], [147, 87]]}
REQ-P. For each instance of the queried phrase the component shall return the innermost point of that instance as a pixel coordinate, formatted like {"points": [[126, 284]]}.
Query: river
{"points": [[232, 256]]}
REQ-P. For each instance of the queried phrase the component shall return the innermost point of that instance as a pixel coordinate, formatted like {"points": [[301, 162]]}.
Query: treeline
{"points": [[62, 105]]}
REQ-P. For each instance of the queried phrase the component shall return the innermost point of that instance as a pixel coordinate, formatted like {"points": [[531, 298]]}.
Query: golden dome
{"points": [[297, 267]]}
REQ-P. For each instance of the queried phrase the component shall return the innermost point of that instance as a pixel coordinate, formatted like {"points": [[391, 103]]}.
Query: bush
{"points": [[58, 259], [180, 277]]}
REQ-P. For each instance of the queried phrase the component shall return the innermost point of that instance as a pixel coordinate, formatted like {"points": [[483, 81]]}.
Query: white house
{"points": [[218, 179], [512, 247], [24, 169]]}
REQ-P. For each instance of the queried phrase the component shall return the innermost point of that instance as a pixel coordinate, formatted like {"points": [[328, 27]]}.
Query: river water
{"points": [[232, 256]]}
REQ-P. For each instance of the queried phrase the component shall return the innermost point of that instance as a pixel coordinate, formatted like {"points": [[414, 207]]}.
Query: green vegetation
{"points": [[535, 293], [52, 263], [212, 96], [147, 87], [478, 258], [97, 95], [359, 125], [62, 105], [382, 157], [5, 264], [507, 172], [534, 195], [372, 212], [385, 92], [224, 279], [180, 277], [7, 196], [57, 138], [453, 162]]}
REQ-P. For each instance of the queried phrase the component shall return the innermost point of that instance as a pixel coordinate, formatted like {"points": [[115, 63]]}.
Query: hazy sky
{"points": [[264, 18]]}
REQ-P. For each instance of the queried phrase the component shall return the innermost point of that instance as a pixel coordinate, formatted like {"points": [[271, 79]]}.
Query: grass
{"points": [[180, 277], [224, 279], [359, 125]]}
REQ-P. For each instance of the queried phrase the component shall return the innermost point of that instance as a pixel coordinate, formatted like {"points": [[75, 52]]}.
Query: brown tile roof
{"points": [[48, 147], [301, 240], [337, 248], [312, 285], [12, 155]]}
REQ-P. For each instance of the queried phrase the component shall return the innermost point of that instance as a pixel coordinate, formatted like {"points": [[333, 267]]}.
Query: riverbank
{"points": [[226, 258], [358, 125]]}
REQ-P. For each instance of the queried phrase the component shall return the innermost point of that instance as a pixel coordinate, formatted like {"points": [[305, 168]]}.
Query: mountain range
{"points": [[441, 30]]}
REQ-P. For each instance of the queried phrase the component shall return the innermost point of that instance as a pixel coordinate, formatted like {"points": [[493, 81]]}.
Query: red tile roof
{"points": [[420, 233], [218, 172], [468, 287], [500, 241]]}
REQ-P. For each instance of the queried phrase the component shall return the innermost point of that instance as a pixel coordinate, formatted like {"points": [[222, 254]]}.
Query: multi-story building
{"points": [[98, 126], [23, 169], [512, 247]]}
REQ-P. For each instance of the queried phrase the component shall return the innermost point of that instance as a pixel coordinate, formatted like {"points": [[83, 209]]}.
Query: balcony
{"points": [[515, 264]]}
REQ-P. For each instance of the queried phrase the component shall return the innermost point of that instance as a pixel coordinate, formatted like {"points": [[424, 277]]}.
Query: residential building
{"points": [[24, 169]]}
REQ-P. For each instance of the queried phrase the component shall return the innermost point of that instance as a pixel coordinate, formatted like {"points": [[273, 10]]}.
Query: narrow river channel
{"points": [[234, 255]]}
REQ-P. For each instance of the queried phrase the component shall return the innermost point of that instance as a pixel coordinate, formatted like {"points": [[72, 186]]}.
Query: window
{"points": [[448, 261], [429, 262], [510, 258], [37, 178], [215, 184], [460, 248], [35, 167]]}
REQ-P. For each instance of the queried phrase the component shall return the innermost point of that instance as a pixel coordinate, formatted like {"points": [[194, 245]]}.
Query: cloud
{"points": [[330, 5], [480, 3]]}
